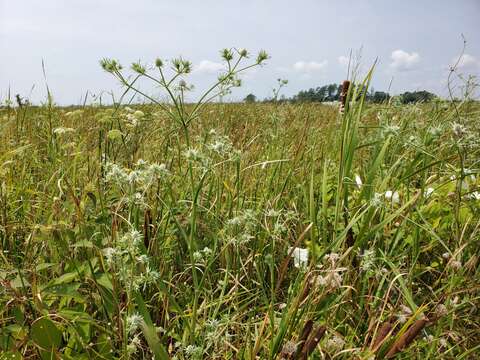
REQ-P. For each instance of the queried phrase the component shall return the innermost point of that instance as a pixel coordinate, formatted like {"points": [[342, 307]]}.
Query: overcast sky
{"points": [[308, 40]]}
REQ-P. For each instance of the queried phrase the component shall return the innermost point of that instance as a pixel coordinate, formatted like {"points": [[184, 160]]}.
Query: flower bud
{"points": [[262, 56], [158, 62]]}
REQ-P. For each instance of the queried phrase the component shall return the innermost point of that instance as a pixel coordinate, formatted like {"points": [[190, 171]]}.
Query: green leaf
{"points": [[65, 278], [47, 336], [149, 332]]}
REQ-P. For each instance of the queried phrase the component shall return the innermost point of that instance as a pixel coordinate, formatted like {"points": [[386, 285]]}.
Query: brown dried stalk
{"points": [[407, 337], [382, 335], [312, 342]]}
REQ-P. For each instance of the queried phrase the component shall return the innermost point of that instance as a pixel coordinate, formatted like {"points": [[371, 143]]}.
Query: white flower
{"points": [[358, 181], [368, 260], [391, 129], [455, 265], [335, 344], [475, 195], [132, 119], [273, 213], [429, 338], [62, 130], [197, 256], [376, 200], [334, 280], [300, 256], [133, 322], [138, 114], [441, 310], [405, 310], [141, 164], [110, 255], [134, 177], [156, 171], [143, 259], [435, 131], [116, 174], [428, 192], [192, 154], [402, 318], [393, 196], [332, 258], [193, 352], [459, 130]]}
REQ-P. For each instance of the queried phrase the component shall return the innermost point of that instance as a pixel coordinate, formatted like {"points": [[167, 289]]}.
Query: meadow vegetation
{"points": [[239, 231]]}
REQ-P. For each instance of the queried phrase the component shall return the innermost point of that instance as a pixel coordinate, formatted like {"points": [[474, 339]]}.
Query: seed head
{"points": [[243, 53], [441, 310], [158, 62], [262, 56], [110, 65], [455, 265], [182, 66], [227, 54], [459, 130], [335, 344], [139, 68]]}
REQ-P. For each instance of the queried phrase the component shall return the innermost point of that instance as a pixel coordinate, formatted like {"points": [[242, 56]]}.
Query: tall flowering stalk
{"points": [[172, 82]]}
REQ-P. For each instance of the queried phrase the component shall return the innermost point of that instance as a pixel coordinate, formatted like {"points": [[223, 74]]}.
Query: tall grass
{"points": [[181, 231]]}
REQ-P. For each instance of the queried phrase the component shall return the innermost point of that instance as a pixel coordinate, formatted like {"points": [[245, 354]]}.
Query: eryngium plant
{"points": [[173, 82]]}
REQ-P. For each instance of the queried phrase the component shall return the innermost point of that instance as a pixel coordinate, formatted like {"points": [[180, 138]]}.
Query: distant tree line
{"points": [[331, 92]]}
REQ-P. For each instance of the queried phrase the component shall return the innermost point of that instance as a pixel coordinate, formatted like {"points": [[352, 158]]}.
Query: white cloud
{"points": [[403, 61], [310, 66], [343, 61], [210, 67], [465, 61]]}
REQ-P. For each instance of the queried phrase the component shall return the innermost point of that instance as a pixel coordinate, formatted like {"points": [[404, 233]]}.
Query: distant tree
{"points": [[250, 98], [379, 96], [331, 90], [416, 96]]}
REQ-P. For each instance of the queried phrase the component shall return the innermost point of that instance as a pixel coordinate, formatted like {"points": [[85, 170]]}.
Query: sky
{"points": [[309, 42]]}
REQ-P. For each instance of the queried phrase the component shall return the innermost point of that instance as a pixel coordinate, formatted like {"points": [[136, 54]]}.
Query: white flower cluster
{"points": [[202, 256], [280, 218], [459, 130], [63, 130], [435, 131], [221, 145], [127, 261], [133, 117], [389, 197], [141, 177], [392, 130], [332, 278], [404, 313], [367, 261], [239, 230], [191, 352], [133, 323], [335, 344]]}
